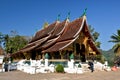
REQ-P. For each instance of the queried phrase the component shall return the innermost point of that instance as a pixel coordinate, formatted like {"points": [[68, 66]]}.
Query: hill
{"points": [[109, 56]]}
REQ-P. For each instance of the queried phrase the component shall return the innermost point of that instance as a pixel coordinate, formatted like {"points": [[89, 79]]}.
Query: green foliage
{"points": [[117, 60], [97, 43], [13, 42], [60, 68], [111, 63], [116, 48], [95, 36], [109, 56], [1, 38], [100, 58], [5, 59], [79, 66], [115, 38]]}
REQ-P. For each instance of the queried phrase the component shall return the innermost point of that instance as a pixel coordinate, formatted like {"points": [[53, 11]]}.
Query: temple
{"points": [[60, 40], [1, 57]]}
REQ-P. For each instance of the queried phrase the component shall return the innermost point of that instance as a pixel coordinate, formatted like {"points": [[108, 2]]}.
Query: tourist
{"points": [[6, 67], [91, 66]]}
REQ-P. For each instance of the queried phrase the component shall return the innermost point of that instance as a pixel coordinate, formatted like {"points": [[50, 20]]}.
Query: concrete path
{"points": [[102, 75]]}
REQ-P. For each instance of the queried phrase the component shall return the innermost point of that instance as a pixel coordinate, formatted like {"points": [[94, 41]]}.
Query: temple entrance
{"points": [[80, 49], [57, 55], [82, 57], [33, 55], [82, 53]]}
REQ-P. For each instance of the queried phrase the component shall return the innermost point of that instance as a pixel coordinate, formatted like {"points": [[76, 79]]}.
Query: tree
{"points": [[14, 42], [95, 36], [1, 38], [115, 38]]}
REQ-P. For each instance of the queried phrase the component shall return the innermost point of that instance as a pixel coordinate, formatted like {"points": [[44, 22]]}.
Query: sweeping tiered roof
{"points": [[70, 33], [55, 35], [40, 37], [59, 35], [44, 32]]}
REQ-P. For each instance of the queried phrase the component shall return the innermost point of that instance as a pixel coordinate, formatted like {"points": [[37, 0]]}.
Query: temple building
{"points": [[61, 39], [1, 57], [1, 51]]}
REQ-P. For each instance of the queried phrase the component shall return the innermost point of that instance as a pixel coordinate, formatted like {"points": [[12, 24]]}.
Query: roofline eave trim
{"points": [[68, 43], [80, 27]]}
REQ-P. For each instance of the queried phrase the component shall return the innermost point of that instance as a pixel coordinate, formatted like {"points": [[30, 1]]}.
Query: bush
{"points": [[100, 58], [60, 68], [79, 66]]}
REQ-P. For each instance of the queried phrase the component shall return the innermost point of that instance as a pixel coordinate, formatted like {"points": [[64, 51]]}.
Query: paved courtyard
{"points": [[102, 75]]}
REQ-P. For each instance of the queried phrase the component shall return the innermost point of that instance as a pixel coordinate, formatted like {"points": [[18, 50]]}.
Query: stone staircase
{"points": [[85, 67], [97, 67]]}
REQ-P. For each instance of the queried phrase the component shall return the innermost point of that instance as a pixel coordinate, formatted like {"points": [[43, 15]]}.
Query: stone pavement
{"points": [[101, 75]]}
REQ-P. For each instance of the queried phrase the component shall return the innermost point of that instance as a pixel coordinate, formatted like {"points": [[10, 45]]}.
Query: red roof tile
{"points": [[33, 45], [44, 32], [56, 34], [60, 45], [71, 30]]}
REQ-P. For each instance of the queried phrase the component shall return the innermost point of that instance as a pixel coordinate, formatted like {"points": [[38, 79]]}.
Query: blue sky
{"points": [[27, 16]]}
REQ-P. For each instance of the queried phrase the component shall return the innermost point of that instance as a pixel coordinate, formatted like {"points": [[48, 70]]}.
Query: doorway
{"points": [[80, 49]]}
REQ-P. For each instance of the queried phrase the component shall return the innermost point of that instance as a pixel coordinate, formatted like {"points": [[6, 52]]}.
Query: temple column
{"points": [[86, 47], [52, 55], [46, 59], [61, 54], [71, 62]]}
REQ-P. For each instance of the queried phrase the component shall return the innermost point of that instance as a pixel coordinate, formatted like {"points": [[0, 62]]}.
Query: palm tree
{"points": [[116, 39]]}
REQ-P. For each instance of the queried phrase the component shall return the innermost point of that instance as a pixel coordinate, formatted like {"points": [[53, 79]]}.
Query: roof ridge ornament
{"points": [[84, 12], [68, 15], [58, 17]]}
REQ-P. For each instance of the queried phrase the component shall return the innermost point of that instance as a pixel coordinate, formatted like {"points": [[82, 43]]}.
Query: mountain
{"points": [[109, 56]]}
